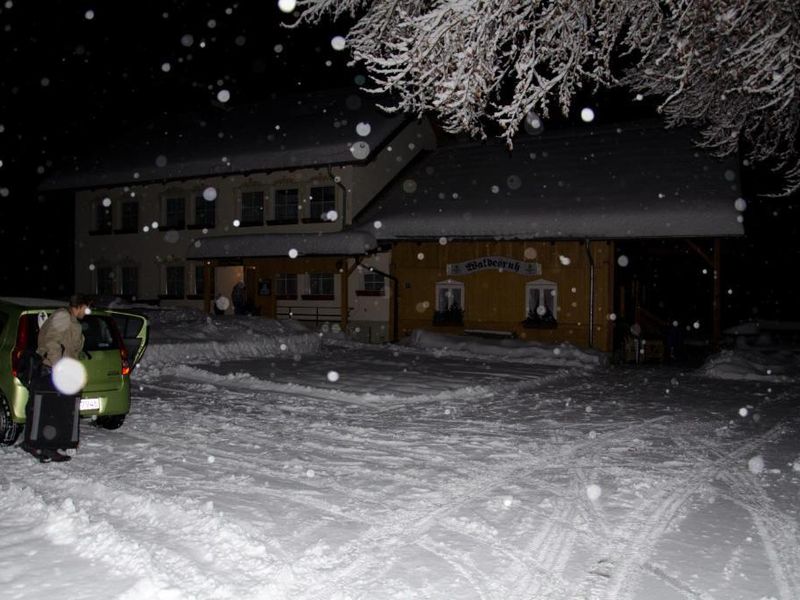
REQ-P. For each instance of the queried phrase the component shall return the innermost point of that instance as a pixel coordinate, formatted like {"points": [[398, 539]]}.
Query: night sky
{"points": [[76, 74]]}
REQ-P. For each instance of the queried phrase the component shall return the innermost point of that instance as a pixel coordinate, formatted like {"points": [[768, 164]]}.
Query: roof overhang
{"points": [[341, 243]]}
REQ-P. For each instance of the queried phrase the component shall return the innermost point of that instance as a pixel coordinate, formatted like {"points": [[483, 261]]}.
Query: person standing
{"points": [[60, 336], [239, 298]]}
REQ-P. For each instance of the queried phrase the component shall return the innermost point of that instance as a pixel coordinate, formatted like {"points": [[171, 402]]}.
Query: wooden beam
{"points": [[701, 252]]}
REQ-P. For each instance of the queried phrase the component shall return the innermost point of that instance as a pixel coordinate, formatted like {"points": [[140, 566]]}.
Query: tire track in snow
{"points": [[634, 545], [358, 558], [778, 531]]}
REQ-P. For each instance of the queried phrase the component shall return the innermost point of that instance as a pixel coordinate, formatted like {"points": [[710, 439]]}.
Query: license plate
{"points": [[90, 403]]}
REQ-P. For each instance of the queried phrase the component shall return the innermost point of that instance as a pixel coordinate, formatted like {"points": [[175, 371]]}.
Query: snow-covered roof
{"points": [[631, 181], [342, 243], [316, 129]]}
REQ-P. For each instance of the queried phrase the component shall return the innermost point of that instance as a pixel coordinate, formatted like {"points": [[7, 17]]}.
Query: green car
{"points": [[114, 344]]}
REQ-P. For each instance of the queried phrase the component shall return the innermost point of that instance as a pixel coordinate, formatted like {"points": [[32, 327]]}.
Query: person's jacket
{"points": [[60, 335]]}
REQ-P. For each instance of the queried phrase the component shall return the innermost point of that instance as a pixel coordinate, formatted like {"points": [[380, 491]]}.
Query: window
{"points": [[130, 281], [541, 304], [98, 333], [175, 213], [103, 216], [252, 208], [174, 282], [105, 281], [449, 303], [286, 285], [373, 284], [200, 280], [320, 284], [205, 213], [286, 204], [449, 295], [129, 220], [322, 200]]}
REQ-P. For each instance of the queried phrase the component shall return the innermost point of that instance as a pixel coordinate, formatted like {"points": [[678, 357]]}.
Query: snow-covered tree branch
{"points": [[731, 67]]}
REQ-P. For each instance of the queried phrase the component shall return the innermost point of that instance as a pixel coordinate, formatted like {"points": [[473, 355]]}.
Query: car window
{"points": [[3, 321], [98, 333]]}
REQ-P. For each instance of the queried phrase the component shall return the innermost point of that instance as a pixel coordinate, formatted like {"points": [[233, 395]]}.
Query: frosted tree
{"points": [[730, 67]]}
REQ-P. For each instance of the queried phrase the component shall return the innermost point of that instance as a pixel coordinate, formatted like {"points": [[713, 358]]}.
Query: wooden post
{"points": [[716, 334], [344, 274], [208, 280]]}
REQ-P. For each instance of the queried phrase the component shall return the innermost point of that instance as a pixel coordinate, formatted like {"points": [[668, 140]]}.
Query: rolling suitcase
{"points": [[53, 418]]}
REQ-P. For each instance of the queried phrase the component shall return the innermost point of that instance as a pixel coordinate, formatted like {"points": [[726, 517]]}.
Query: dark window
{"points": [[373, 282], [103, 217], [252, 208], [286, 285], [200, 280], [176, 213], [105, 281], [129, 220], [286, 203], [130, 281], [175, 281], [321, 284], [322, 201], [205, 214]]}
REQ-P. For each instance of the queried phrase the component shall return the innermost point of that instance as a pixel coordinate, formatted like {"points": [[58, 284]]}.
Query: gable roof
{"points": [[290, 132], [631, 181]]}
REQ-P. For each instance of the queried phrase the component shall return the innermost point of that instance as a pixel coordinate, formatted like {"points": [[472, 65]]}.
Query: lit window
{"points": [[449, 303], [449, 296], [541, 302]]}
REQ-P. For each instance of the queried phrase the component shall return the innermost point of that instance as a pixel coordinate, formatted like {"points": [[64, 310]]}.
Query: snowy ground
{"points": [[427, 471]]}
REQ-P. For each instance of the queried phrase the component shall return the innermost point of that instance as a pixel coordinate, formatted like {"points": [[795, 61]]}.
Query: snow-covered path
{"points": [[416, 474]]}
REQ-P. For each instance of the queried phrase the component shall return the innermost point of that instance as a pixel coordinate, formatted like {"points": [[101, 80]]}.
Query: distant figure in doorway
{"points": [[239, 298]]}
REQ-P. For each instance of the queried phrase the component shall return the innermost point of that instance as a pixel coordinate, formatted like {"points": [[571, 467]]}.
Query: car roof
{"points": [[32, 302]]}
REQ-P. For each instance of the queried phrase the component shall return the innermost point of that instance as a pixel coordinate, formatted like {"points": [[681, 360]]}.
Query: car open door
{"points": [[134, 331]]}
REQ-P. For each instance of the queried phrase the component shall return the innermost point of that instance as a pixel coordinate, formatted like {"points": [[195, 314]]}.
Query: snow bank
{"points": [[752, 364], [180, 335], [560, 355]]}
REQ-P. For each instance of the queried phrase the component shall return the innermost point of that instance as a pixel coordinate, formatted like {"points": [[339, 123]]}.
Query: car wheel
{"points": [[9, 429], [111, 421]]}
